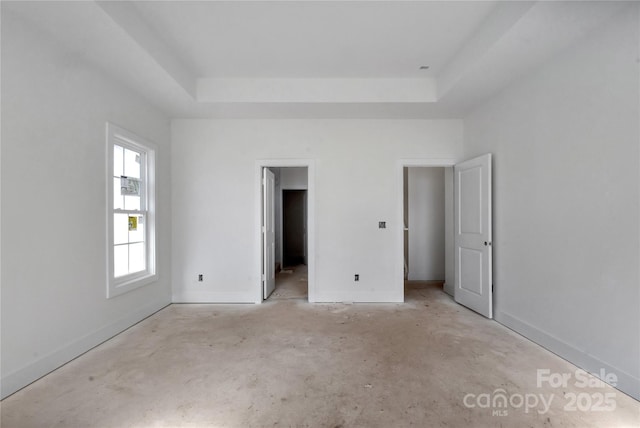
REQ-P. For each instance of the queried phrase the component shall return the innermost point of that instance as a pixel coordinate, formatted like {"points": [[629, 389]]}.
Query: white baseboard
{"points": [[626, 383], [250, 297], [362, 297], [38, 368], [187, 296]]}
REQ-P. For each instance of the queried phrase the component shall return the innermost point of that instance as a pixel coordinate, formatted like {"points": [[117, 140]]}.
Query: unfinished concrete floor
{"points": [[289, 363], [291, 283]]}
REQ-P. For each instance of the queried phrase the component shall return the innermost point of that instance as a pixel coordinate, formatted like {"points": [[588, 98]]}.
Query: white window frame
{"points": [[127, 139]]}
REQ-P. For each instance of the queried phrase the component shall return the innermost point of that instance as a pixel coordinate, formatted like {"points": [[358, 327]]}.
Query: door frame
{"points": [[311, 230], [401, 164]]}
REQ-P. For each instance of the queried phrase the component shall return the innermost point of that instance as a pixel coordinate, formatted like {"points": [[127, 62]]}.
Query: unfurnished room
{"points": [[320, 214]]}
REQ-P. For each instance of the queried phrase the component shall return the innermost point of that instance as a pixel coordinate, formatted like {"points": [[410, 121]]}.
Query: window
{"points": [[131, 216]]}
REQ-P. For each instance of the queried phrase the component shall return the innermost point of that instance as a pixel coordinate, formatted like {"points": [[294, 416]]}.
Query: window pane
{"points": [[120, 229], [118, 159], [131, 163], [136, 258], [131, 202], [118, 199], [137, 234], [120, 260]]}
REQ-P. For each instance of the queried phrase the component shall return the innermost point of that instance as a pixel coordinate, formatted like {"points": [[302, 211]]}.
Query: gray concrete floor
{"points": [[288, 363], [291, 283]]}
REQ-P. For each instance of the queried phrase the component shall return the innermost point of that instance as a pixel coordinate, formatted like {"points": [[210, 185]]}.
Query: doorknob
{"points": [[486, 243]]}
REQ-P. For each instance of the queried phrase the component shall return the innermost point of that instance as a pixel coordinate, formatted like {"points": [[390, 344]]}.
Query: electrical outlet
{"points": [[357, 277], [200, 278]]}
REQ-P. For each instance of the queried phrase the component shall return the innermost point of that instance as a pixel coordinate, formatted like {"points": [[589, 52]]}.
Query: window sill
{"points": [[130, 283]]}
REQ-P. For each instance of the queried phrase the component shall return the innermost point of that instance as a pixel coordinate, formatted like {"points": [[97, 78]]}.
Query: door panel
{"points": [[268, 233], [472, 262], [470, 200], [473, 255]]}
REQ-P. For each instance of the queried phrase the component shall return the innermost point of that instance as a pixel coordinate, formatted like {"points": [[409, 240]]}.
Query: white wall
{"points": [[355, 164], [54, 110], [426, 223], [566, 202], [293, 178]]}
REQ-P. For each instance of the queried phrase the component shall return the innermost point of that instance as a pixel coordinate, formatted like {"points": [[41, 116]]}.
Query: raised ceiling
{"points": [[315, 39], [314, 59]]}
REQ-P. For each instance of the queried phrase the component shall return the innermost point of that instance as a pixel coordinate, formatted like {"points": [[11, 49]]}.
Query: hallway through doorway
{"points": [[291, 283]]}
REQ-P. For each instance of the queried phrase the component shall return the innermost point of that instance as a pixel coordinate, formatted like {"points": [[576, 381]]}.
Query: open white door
{"points": [[473, 275], [268, 233]]}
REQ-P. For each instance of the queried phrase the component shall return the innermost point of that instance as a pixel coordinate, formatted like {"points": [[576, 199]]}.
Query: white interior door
{"points": [[473, 275], [268, 233]]}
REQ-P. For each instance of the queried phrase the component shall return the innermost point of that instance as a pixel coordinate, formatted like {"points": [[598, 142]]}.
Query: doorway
{"points": [[427, 216], [404, 271], [292, 279], [292, 266], [294, 228], [468, 230]]}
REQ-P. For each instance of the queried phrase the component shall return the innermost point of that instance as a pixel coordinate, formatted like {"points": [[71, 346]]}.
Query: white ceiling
{"points": [[314, 59], [315, 38]]}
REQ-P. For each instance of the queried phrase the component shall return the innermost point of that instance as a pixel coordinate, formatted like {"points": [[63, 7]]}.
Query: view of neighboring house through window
{"points": [[131, 225]]}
